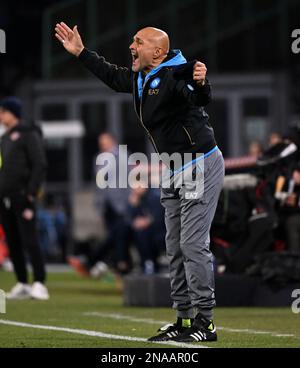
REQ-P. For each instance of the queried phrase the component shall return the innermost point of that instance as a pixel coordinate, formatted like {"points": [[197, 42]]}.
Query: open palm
{"points": [[70, 38]]}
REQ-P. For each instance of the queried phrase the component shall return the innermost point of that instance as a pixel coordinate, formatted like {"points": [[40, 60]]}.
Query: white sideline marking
{"points": [[258, 332], [95, 333], [153, 321], [124, 317]]}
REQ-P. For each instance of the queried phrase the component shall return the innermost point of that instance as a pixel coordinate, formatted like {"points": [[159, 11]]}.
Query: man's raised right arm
{"points": [[117, 78]]}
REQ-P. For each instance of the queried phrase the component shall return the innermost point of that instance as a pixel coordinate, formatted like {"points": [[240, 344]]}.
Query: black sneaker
{"points": [[201, 330], [169, 331]]}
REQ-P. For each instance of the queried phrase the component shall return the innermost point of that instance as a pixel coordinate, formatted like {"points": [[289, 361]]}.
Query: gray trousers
{"points": [[188, 223]]}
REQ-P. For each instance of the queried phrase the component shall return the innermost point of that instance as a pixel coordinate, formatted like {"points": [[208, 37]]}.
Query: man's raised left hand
{"points": [[199, 73]]}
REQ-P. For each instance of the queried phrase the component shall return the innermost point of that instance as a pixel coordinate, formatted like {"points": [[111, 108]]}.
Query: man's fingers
{"points": [[61, 28], [199, 74], [75, 30], [201, 71], [200, 68], [198, 63], [61, 31], [59, 38], [67, 28]]}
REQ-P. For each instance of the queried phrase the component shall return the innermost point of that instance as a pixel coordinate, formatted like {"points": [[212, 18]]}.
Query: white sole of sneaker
{"points": [[24, 297], [39, 298]]}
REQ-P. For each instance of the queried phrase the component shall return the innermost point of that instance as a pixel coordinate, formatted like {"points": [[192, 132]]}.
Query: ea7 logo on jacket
{"points": [[153, 91], [153, 87]]}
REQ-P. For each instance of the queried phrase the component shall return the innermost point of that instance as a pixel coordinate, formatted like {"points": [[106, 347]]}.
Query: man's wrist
{"points": [[201, 83], [79, 51]]}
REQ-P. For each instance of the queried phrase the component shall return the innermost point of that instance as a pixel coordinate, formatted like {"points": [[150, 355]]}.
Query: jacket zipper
{"points": [[188, 135], [141, 117]]}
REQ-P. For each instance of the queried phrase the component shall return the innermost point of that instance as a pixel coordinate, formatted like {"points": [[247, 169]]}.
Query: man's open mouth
{"points": [[134, 58]]}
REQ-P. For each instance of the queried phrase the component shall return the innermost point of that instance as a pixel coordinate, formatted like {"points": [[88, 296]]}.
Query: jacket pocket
{"points": [[188, 135]]}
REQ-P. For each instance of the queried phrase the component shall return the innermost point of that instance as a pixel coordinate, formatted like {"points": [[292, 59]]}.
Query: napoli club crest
{"points": [[155, 83]]}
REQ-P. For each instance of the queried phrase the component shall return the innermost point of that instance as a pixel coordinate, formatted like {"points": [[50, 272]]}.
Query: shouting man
{"points": [[169, 95]]}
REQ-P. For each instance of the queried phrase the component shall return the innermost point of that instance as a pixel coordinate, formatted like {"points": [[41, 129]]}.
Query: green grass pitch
{"points": [[93, 305]]}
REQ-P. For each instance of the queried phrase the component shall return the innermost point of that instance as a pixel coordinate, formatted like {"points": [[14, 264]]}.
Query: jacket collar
{"points": [[174, 58]]}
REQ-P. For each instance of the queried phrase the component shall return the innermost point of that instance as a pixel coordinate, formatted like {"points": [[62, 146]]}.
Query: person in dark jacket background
{"points": [[146, 219], [169, 96], [22, 171]]}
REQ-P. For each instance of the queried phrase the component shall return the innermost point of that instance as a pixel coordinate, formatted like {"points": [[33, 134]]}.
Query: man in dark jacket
{"points": [[22, 170], [169, 97]]}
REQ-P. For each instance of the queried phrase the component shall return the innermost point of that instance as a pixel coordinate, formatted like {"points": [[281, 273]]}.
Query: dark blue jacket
{"points": [[169, 105]]}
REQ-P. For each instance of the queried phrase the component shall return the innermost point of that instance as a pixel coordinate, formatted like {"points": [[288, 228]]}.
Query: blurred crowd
{"points": [[258, 216], [258, 213]]}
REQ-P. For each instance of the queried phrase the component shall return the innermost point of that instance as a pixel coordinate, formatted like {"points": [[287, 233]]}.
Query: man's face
{"points": [[142, 51], [7, 118]]}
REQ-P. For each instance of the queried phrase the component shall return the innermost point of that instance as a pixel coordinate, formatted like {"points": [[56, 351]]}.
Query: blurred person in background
{"points": [[111, 204], [169, 97], [289, 210], [147, 222], [52, 229], [22, 171], [274, 139], [255, 149]]}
